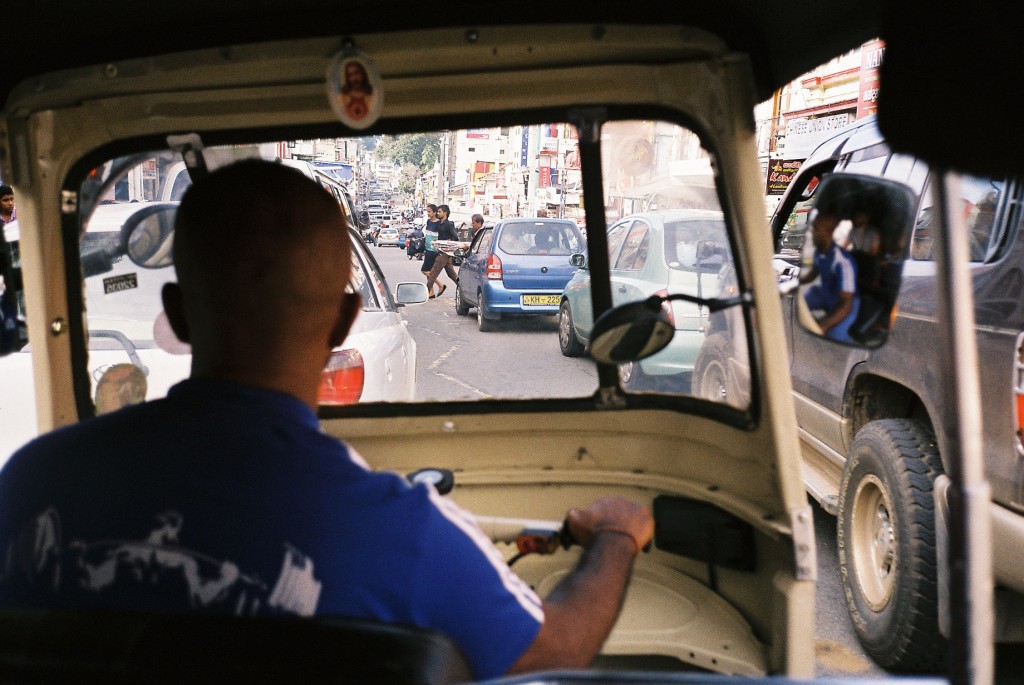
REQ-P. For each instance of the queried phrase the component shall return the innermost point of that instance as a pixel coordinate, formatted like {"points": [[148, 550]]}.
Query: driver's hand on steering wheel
{"points": [[611, 515]]}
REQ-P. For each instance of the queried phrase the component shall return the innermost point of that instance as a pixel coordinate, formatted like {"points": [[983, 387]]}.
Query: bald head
{"points": [[263, 259], [243, 225]]}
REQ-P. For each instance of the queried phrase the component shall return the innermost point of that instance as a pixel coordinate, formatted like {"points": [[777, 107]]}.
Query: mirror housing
{"points": [[858, 233], [148, 236], [410, 293]]}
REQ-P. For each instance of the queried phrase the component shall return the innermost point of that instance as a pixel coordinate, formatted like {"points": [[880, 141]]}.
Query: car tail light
{"points": [[342, 378], [667, 307], [493, 268]]}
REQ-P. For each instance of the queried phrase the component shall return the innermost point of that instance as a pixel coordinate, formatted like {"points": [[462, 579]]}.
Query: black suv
{"points": [[871, 421]]}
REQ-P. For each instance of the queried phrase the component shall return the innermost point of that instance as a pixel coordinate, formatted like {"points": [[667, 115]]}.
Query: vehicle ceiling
{"points": [[941, 62], [783, 39]]}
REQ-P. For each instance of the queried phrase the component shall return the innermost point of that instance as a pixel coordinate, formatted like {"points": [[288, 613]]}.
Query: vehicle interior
{"points": [[91, 96]]}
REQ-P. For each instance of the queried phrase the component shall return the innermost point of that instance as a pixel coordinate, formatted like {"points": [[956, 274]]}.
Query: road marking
{"points": [[434, 364], [455, 380]]}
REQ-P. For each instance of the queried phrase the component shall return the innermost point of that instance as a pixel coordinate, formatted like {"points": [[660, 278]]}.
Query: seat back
{"points": [[135, 647]]}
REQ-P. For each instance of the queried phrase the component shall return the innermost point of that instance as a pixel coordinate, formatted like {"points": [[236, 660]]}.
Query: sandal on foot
{"points": [[441, 291]]}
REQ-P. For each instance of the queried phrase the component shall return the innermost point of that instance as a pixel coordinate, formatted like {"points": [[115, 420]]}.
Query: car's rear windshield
{"points": [[539, 238], [696, 245]]}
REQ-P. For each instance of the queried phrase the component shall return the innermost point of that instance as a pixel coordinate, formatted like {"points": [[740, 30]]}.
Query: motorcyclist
{"points": [[415, 243]]}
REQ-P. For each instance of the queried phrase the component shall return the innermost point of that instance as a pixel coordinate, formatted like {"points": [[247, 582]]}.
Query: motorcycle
{"points": [[415, 247]]}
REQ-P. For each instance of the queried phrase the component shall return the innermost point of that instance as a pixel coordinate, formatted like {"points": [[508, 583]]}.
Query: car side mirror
{"points": [[459, 252], [856, 242], [410, 293], [579, 260], [148, 236]]}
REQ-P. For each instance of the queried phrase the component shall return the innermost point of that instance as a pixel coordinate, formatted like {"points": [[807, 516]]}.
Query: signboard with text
{"points": [[871, 55], [803, 135], [780, 174]]}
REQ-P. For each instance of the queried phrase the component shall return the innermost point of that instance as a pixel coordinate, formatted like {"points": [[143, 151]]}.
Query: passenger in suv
{"points": [[872, 421]]}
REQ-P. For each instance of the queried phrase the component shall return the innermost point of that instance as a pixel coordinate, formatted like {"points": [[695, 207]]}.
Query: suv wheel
{"points": [[567, 340], [483, 323], [886, 541], [711, 370], [461, 308]]}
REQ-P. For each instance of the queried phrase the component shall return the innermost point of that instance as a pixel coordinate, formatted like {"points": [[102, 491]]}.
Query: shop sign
{"points": [[780, 174]]}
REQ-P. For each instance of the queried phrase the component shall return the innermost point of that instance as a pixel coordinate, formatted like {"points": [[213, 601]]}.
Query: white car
{"points": [[389, 236], [127, 327]]}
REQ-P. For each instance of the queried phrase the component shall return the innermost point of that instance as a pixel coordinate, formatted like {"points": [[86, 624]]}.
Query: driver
{"points": [[271, 514]]}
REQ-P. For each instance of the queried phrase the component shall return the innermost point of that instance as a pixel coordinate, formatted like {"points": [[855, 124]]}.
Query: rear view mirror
{"points": [[856, 242]]}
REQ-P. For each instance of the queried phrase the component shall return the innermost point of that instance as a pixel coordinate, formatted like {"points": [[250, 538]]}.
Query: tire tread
{"points": [[917, 646]]}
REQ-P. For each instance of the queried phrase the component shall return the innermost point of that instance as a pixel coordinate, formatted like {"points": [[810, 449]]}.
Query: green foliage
{"points": [[419, 149]]}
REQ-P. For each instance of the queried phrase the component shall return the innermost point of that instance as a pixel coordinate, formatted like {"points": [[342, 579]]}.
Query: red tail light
{"points": [[342, 378], [493, 268], [667, 307]]}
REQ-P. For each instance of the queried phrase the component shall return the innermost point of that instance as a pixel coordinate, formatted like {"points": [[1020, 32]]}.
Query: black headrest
{"points": [[135, 647]]}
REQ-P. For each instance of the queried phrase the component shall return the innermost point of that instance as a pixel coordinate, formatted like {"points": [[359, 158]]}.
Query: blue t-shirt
{"points": [[430, 233], [838, 274], [224, 498]]}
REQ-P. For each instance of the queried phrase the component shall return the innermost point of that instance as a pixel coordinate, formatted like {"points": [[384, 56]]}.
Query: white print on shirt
{"points": [[156, 567]]}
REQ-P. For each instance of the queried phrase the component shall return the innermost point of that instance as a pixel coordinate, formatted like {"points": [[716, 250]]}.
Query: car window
{"points": [[979, 200], [539, 238], [869, 160], [697, 244], [482, 242], [634, 249], [790, 241], [363, 283], [616, 237]]}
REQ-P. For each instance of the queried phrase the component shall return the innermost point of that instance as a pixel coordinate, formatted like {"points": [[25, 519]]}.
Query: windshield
{"points": [[513, 317]]}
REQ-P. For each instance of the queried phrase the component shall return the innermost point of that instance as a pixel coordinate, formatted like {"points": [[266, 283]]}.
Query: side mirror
{"points": [[856, 242], [579, 260], [410, 293], [459, 252], [149, 235]]}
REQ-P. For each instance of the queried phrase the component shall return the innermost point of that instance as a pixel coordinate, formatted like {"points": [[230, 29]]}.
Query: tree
{"points": [[407, 178], [419, 149]]}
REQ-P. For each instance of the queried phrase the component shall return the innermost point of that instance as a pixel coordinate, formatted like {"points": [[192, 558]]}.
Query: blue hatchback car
{"points": [[517, 268]]}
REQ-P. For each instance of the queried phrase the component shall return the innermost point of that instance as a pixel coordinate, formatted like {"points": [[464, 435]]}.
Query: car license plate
{"points": [[541, 300]]}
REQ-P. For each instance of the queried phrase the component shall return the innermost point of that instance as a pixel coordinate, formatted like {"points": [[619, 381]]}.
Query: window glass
{"points": [[792, 237], [634, 249], [540, 237], [870, 160], [669, 236], [979, 200], [672, 239], [899, 167], [616, 236], [483, 243]]}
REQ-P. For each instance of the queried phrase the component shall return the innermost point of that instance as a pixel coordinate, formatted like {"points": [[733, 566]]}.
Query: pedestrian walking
{"points": [[442, 260]]}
